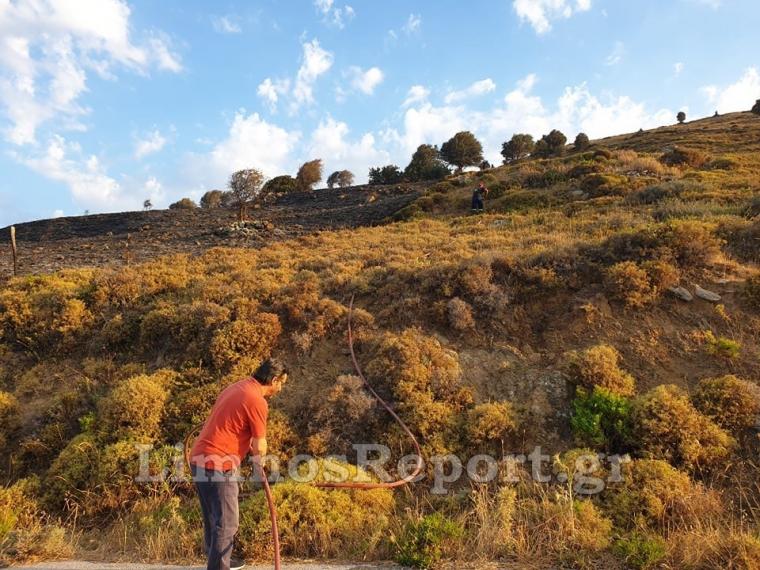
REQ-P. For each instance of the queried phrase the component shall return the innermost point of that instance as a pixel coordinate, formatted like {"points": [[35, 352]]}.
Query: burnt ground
{"points": [[113, 239]]}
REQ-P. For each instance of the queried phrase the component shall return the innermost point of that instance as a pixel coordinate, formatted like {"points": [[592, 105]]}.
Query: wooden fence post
{"points": [[13, 249]]}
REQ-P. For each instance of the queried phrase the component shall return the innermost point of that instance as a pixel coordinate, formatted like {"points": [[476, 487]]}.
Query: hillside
{"points": [[559, 319]]}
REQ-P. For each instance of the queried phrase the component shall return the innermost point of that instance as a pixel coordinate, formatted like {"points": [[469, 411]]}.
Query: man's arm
{"points": [[258, 447]]}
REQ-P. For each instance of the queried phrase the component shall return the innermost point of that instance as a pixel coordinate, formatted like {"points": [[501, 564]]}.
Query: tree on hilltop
{"points": [[426, 164], [681, 116], [461, 150], [183, 204], [755, 107], [519, 146], [309, 174], [389, 174], [212, 199], [340, 178], [552, 144], [582, 142], [245, 186], [279, 185]]}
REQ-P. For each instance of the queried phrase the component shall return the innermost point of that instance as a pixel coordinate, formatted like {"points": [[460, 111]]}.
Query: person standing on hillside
{"points": [[478, 196], [236, 425]]}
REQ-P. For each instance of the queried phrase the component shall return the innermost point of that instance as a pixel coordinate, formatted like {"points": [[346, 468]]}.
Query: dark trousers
{"points": [[218, 492], [477, 202]]}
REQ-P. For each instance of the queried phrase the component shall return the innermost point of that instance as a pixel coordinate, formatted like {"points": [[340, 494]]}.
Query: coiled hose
{"points": [[330, 485]]}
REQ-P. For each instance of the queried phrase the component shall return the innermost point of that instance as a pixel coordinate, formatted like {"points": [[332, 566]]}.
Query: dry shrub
{"points": [[345, 415], [26, 533], [66, 481], [655, 495], [731, 402], [490, 532], [134, 408], [9, 416], [239, 339], [424, 380], [679, 156], [282, 439], [572, 530], [160, 529], [460, 315], [317, 522], [186, 409], [715, 548], [630, 161], [751, 291], [598, 366], [692, 242], [490, 424], [666, 425], [638, 285], [474, 281]]}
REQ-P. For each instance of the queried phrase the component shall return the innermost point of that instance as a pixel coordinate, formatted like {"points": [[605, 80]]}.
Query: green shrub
{"points": [[134, 408], [639, 285], [721, 346], [732, 403], [491, 423], [654, 495], [667, 426], [751, 291], [641, 551], [317, 522], [422, 543], [250, 338], [598, 366], [692, 243], [601, 419], [721, 163]]}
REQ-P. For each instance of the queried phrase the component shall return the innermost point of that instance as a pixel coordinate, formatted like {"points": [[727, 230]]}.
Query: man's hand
{"points": [[258, 448]]}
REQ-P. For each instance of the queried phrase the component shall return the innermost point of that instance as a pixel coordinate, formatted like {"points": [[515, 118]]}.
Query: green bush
{"points": [[598, 366], [134, 408], [601, 419], [731, 402], [667, 426], [641, 551], [317, 522], [423, 542], [721, 346]]}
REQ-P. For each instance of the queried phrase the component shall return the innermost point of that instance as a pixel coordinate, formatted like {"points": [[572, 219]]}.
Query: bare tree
{"points": [[147, 205]]}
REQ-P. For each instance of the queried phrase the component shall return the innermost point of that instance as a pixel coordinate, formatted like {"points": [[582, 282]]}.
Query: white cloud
{"points": [[47, 48], [365, 81], [540, 13], [334, 15], [478, 88], [738, 96], [330, 141], [316, 61], [153, 142], [57, 214], [616, 55], [416, 94], [677, 68], [413, 24], [577, 109], [253, 143], [226, 25], [271, 91]]}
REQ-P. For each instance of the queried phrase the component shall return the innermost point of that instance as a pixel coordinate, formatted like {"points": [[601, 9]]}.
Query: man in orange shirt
{"points": [[236, 425]]}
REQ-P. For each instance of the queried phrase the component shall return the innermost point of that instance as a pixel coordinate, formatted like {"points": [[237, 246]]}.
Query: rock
{"points": [[705, 294], [682, 293], [577, 193]]}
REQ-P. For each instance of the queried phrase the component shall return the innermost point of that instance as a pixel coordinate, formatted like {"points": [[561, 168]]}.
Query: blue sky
{"points": [[106, 103]]}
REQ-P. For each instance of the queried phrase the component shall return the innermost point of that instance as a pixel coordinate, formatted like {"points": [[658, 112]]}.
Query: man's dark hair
{"points": [[270, 369]]}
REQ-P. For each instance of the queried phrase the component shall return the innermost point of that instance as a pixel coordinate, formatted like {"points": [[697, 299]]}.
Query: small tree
{"points": [[147, 205], [212, 199], [755, 107], [345, 178], [461, 150], [519, 146], [426, 164], [552, 144], [280, 185], [390, 174], [485, 165], [581, 142], [183, 204], [681, 116], [309, 174], [245, 186]]}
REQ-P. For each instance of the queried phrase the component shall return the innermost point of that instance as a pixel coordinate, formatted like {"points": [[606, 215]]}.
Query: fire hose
{"points": [[332, 484]]}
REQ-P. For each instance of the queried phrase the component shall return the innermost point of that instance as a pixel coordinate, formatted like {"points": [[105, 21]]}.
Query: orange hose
{"points": [[272, 516]]}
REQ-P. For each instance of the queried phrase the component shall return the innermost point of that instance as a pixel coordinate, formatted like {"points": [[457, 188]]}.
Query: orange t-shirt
{"points": [[239, 414]]}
